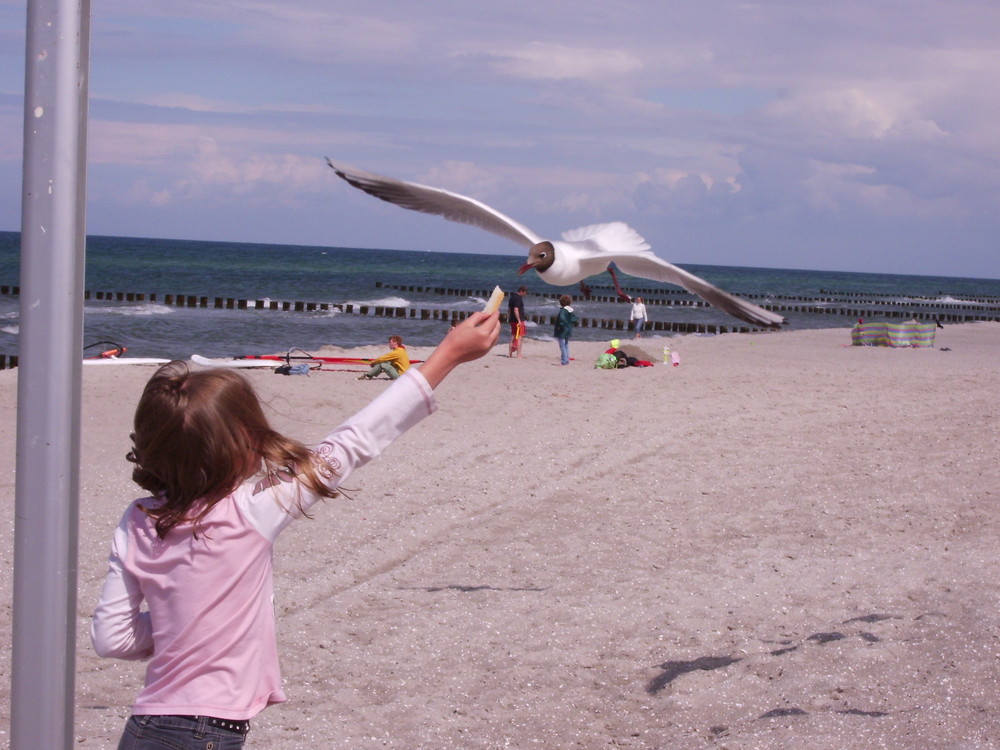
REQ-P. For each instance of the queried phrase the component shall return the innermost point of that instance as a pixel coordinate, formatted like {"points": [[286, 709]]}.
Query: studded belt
{"points": [[233, 725]]}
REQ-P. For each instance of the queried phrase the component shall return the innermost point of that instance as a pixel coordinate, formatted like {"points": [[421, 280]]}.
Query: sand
{"points": [[785, 542]]}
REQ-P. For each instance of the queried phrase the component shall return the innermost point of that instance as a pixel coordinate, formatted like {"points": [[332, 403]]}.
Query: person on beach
{"points": [[638, 316], [394, 363], [223, 485], [564, 327], [515, 316]]}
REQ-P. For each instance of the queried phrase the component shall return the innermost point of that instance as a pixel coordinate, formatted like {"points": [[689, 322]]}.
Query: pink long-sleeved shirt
{"points": [[209, 632]]}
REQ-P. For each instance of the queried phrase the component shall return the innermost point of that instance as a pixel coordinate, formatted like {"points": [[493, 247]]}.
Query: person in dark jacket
{"points": [[564, 327]]}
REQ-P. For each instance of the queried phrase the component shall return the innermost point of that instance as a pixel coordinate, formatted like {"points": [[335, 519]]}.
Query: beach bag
{"points": [[606, 362], [299, 368]]}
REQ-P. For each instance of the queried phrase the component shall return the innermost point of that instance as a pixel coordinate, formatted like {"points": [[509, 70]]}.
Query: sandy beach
{"points": [[785, 542]]}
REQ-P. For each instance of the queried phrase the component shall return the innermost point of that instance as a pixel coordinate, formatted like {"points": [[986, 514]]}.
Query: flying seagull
{"points": [[580, 253]]}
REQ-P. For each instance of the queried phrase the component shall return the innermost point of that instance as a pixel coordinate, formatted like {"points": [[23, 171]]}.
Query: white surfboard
{"points": [[126, 361], [210, 362]]}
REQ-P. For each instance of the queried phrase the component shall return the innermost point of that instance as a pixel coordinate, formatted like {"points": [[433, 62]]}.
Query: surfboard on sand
{"points": [[126, 361], [276, 360], [305, 358], [212, 362]]}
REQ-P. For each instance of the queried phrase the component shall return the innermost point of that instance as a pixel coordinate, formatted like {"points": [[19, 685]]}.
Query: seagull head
{"points": [[540, 257]]}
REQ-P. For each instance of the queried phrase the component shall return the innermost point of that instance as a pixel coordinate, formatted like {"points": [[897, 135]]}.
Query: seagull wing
{"points": [[431, 200], [619, 243], [646, 265]]}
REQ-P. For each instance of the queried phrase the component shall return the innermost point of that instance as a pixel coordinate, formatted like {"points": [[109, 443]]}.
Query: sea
{"points": [[422, 290]]}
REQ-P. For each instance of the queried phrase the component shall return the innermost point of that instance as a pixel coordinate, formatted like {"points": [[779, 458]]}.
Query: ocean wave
{"points": [[130, 310], [967, 302], [469, 303], [381, 302], [12, 330]]}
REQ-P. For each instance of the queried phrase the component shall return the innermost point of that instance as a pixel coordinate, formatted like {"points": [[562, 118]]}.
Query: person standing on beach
{"points": [[198, 551], [393, 364], [564, 327], [638, 316], [515, 316]]}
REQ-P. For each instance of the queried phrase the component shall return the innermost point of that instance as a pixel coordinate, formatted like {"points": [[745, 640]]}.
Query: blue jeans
{"points": [[563, 351], [177, 733]]}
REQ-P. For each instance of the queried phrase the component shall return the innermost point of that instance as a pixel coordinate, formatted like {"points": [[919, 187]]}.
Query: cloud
{"points": [[324, 32], [542, 61], [846, 113], [196, 103], [191, 163], [464, 177], [860, 190]]}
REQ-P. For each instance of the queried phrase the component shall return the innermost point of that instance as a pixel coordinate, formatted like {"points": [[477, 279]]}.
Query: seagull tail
{"points": [[615, 236]]}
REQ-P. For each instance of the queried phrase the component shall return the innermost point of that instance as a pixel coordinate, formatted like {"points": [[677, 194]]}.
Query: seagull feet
{"points": [[614, 277]]}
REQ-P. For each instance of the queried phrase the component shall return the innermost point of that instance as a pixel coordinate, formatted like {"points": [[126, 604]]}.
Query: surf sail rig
{"points": [[299, 355], [114, 350]]}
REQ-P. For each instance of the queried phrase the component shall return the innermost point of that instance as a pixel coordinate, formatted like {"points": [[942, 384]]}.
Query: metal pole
{"points": [[48, 396]]}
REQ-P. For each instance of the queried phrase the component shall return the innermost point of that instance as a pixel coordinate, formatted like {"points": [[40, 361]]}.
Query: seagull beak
{"points": [[525, 267]]}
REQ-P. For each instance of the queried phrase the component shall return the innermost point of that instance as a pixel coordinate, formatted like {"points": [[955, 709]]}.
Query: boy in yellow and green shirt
{"points": [[393, 364]]}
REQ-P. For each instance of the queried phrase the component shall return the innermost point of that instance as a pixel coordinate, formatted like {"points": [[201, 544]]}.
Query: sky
{"points": [[857, 135]]}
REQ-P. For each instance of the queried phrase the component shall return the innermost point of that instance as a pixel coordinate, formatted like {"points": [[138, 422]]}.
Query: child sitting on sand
{"points": [[198, 551], [393, 364]]}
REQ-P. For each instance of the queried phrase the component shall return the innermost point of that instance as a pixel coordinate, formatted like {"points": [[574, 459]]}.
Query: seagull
{"points": [[580, 253]]}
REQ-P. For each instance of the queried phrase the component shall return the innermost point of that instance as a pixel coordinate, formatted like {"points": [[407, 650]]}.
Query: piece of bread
{"points": [[493, 304]]}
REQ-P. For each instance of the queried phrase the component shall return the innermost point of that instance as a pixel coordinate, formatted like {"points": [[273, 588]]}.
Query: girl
{"points": [[223, 485], [638, 316]]}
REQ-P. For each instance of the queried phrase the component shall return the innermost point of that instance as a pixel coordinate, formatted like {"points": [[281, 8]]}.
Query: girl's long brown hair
{"points": [[199, 435]]}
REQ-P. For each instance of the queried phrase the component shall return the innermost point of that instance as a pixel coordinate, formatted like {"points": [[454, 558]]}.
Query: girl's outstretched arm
{"points": [[469, 340], [369, 432]]}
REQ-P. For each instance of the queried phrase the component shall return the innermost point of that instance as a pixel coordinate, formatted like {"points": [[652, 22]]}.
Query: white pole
{"points": [[48, 394]]}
